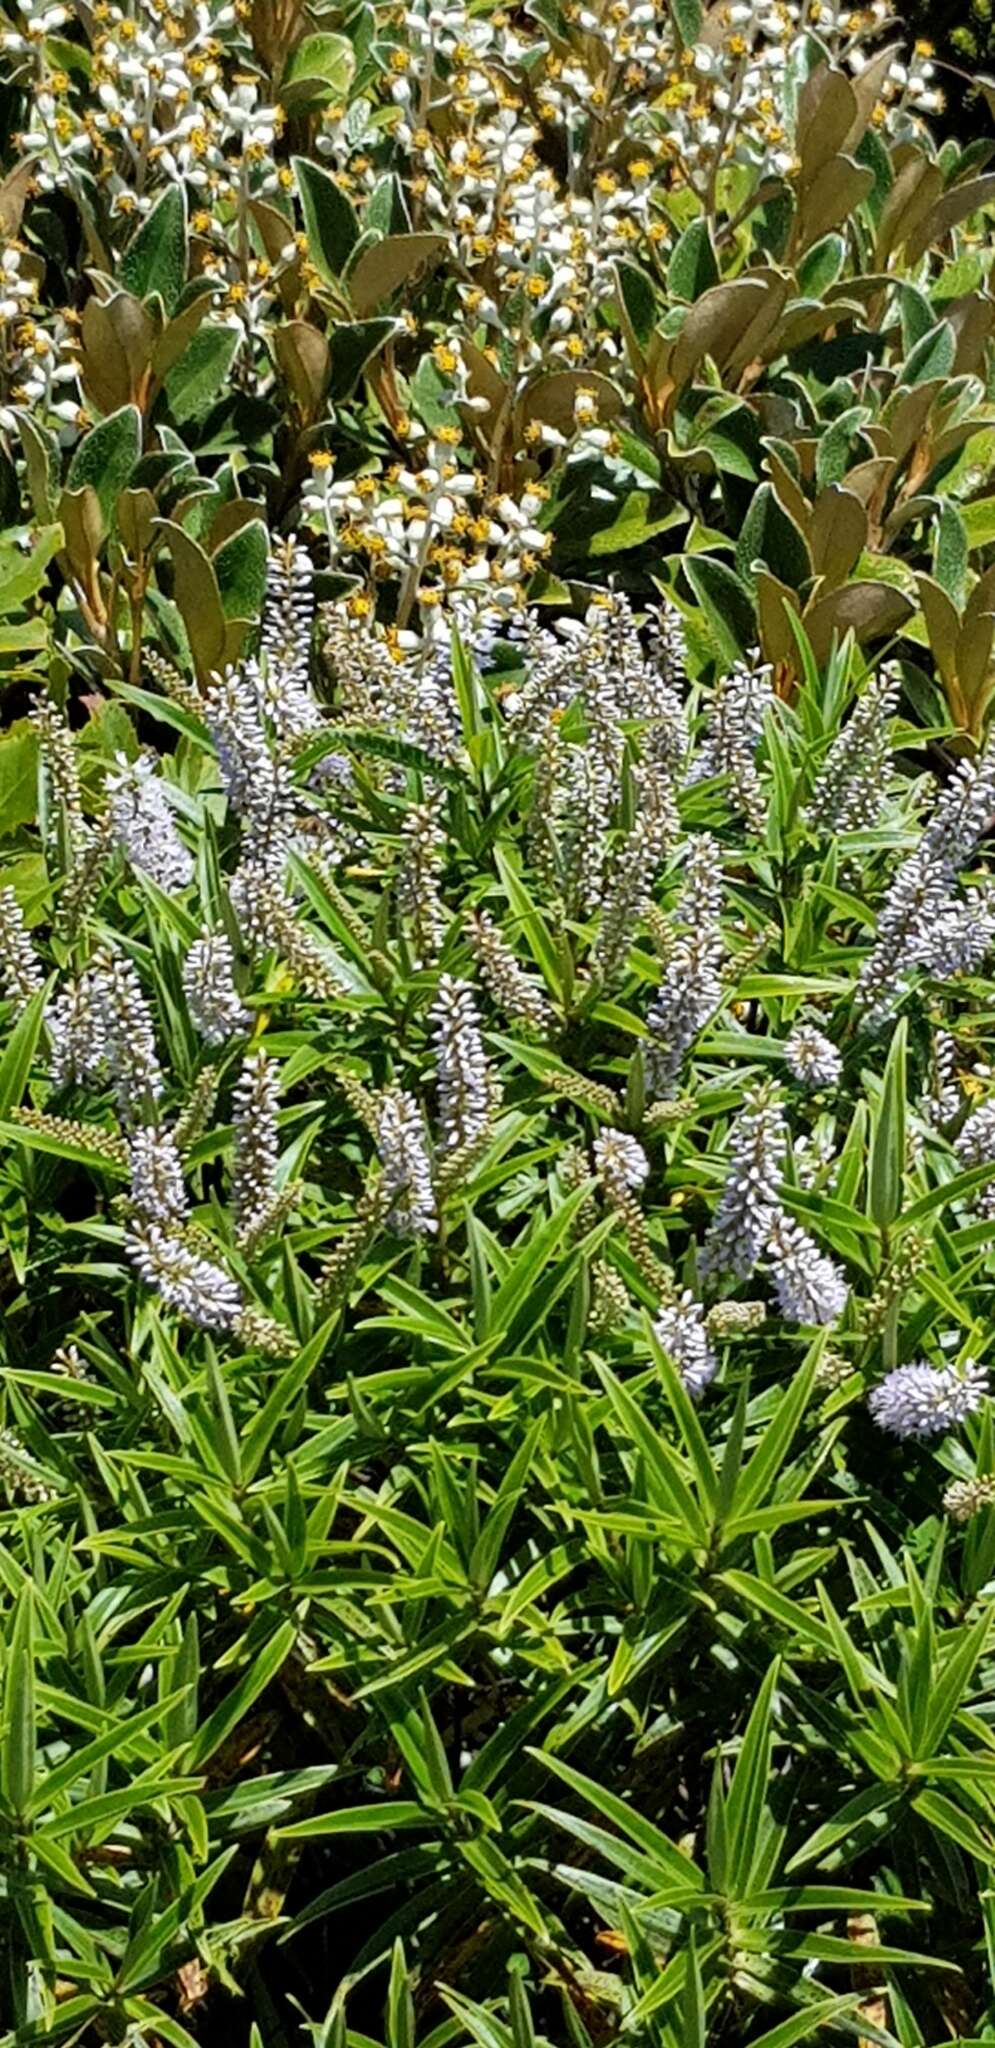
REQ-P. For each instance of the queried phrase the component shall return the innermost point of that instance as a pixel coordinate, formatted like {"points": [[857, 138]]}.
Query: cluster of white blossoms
{"points": [[925, 924], [284, 680], [19, 281], [735, 726], [852, 783], [158, 1194], [394, 681], [620, 1162], [407, 1167], [433, 528], [811, 1058], [504, 977], [38, 371], [580, 789], [682, 1330], [419, 899], [20, 971], [635, 106], [751, 1224], [602, 748], [974, 1145], [691, 988], [464, 1080], [195, 1287], [166, 105], [927, 1400], [100, 1023], [143, 826], [215, 1007], [102, 1028], [254, 1104], [965, 1498], [255, 777]]}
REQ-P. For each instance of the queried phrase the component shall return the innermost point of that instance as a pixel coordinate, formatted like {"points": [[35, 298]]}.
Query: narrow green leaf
{"points": [[227, 1715], [19, 1736], [888, 1140], [384, 1816], [15, 1065], [664, 1472]]}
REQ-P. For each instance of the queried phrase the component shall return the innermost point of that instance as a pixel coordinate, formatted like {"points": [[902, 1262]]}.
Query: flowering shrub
{"points": [[497, 1113]]}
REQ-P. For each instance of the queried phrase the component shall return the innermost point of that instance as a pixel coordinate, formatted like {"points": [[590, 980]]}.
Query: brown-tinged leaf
{"points": [[118, 338], [136, 513], [867, 91], [198, 598], [827, 111], [774, 603], [878, 436], [232, 516], [788, 490], [915, 190], [869, 480], [871, 611], [806, 447], [714, 325], [905, 416], [237, 632], [972, 319], [179, 332], [762, 323], [942, 625], [276, 235], [552, 398], [14, 192], [954, 207], [305, 363], [974, 664], [656, 385], [863, 288], [905, 513], [833, 195], [104, 365], [82, 524], [838, 534], [803, 322], [397, 260], [275, 26], [982, 598]]}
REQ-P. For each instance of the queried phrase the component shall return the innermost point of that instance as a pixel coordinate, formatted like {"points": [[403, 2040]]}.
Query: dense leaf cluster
{"points": [[497, 1129]]}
